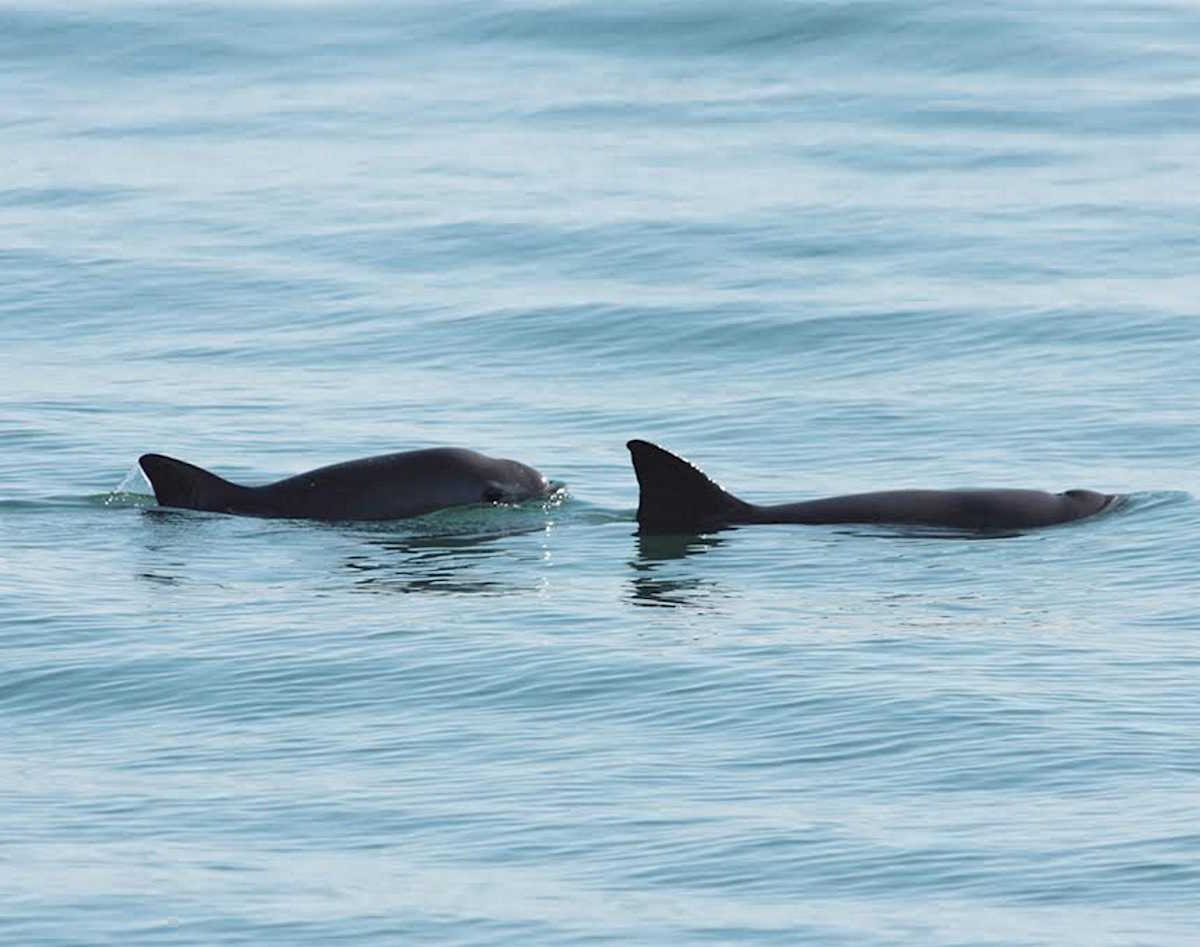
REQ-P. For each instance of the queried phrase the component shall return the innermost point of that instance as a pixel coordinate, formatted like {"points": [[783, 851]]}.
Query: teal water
{"points": [[815, 247]]}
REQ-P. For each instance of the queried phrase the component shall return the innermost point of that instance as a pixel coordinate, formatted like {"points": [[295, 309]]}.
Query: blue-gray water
{"points": [[815, 247]]}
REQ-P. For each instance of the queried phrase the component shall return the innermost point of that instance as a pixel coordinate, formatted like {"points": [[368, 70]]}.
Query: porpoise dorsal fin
{"points": [[676, 496], [177, 483]]}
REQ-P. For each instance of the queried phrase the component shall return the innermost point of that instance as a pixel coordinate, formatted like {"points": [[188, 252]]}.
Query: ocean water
{"points": [[816, 247]]}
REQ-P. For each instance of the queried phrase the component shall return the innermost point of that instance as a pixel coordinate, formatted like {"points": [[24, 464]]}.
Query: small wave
{"points": [[1150, 501]]}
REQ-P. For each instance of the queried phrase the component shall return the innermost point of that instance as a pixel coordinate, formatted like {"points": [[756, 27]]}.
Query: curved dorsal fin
{"points": [[177, 483], [675, 496]]}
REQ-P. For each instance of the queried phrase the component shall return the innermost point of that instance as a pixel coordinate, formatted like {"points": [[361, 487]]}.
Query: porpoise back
{"points": [[675, 496], [390, 486]]}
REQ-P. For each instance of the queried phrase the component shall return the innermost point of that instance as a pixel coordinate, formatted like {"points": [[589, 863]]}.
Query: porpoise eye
{"points": [[492, 494]]}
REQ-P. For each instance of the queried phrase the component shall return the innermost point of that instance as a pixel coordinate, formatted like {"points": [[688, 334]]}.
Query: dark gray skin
{"points": [[675, 496], [391, 486]]}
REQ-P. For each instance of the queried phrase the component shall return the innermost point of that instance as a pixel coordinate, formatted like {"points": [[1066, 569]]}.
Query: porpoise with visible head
{"points": [[675, 496], [391, 486]]}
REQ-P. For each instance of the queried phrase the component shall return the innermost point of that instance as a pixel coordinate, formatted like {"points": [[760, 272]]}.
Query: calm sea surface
{"points": [[816, 247]]}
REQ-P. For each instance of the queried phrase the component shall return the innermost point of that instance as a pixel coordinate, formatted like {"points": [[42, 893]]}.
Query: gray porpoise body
{"points": [[675, 496], [391, 486]]}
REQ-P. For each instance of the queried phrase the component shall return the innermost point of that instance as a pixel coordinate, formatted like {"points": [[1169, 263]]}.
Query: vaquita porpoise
{"points": [[675, 496], [391, 486]]}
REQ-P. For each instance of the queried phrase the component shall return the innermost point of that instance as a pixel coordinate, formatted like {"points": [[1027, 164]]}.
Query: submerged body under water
{"points": [[821, 250]]}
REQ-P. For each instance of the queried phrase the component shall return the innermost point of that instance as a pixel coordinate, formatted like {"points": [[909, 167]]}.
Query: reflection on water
{"points": [[475, 551], [464, 550], [659, 547], [656, 583], [452, 564]]}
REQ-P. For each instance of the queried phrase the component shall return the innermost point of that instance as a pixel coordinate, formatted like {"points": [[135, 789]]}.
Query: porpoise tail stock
{"points": [[391, 486], [675, 496]]}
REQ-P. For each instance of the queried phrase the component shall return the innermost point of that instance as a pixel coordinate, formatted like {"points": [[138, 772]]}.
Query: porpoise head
{"points": [[515, 483], [1087, 502]]}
